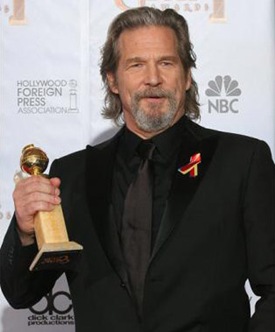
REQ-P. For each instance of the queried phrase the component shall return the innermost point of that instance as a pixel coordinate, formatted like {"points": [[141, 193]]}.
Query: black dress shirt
{"points": [[164, 159]]}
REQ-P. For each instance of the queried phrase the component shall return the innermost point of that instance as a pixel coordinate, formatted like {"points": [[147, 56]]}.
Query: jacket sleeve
{"points": [[21, 287], [259, 218]]}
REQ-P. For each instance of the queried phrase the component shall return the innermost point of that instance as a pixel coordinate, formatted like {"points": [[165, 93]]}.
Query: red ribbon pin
{"points": [[192, 166]]}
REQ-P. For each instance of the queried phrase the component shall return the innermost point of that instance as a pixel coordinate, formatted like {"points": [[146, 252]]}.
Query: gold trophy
{"points": [[18, 17], [55, 249]]}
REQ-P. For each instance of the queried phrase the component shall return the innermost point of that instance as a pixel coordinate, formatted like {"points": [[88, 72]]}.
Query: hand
{"points": [[31, 195]]}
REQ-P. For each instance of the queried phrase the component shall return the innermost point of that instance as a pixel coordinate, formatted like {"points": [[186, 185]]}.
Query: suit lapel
{"points": [[195, 140], [100, 165]]}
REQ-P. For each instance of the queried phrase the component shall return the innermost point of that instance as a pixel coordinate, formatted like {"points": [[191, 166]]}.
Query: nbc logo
{"points": [[222, 92]]}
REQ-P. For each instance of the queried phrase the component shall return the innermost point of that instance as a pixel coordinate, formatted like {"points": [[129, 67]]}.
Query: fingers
{"points": [[55, 182], [34, 194]]}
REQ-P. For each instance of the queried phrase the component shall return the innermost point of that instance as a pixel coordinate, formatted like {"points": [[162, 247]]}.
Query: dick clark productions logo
{"points": [[222, 93], [54, 309]]}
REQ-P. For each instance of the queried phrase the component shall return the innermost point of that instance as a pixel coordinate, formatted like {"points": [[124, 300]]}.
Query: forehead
{"points": [[143, 40]]}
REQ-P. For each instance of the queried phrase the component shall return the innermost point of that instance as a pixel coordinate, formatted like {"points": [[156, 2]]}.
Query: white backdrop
{"points": [[51, 95]]}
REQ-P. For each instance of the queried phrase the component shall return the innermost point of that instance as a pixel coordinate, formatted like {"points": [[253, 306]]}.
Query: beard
{"points": [[154, 119]]}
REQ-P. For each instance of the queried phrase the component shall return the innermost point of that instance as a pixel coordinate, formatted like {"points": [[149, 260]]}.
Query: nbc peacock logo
{"points": [[222, 93]]}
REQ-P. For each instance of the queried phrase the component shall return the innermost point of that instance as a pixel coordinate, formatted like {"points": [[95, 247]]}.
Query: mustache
{"points": [[152, 93]]}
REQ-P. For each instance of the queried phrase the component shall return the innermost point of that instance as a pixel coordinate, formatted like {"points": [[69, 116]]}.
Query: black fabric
{"points": [[165, 162], [217, 230], [137, 222]]}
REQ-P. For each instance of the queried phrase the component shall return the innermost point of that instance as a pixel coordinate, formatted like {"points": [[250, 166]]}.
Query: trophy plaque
{"points": [[55, 249]]}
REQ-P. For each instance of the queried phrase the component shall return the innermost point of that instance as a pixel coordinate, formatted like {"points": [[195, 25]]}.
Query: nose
{"points": [[153, 75]]}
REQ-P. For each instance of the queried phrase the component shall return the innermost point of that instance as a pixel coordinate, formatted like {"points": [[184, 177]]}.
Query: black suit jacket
{"points": [[217, 230]]}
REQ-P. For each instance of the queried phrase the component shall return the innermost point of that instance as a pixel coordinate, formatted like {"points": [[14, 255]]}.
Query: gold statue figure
{"points": [[55, 249]]}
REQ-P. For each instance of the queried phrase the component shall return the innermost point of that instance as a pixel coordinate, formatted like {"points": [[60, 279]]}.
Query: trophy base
{"points": [[218, 19], [15, 21], [56, 256]]}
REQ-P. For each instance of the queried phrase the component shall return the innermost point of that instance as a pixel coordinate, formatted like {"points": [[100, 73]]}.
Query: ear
{"points": [[112, 82], [188, 80]]}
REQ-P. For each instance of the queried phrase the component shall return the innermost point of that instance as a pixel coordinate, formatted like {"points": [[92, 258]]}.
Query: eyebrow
{"points": [[161, 58], [134, 59]]}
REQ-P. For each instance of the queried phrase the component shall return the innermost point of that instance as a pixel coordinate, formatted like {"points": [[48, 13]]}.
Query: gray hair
{"points": [[142, 17]]}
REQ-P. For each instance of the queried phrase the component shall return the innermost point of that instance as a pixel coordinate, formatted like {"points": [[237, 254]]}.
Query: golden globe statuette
{"points": [[18, 17], [55, 249]]}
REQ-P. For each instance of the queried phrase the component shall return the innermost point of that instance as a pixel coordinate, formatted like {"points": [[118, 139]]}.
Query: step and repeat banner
{"points": [[51, 93]]}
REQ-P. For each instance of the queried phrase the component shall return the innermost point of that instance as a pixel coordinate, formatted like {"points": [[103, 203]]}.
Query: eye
{"points": [[136, 65], [166, 63]]}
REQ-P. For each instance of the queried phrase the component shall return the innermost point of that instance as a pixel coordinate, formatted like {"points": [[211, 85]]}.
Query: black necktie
{"points": [[136, 223]]}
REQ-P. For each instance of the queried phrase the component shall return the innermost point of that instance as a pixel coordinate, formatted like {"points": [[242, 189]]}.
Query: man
{"points": [[213, 211]]}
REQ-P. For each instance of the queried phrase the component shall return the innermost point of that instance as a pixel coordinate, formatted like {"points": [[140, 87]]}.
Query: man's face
{"points": [[150, 80]]}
